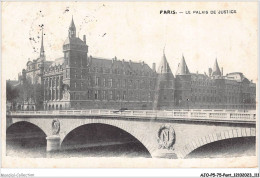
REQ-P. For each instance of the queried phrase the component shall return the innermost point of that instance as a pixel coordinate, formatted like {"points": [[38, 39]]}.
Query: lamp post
{"points": [[188, 103], [244, 104]]}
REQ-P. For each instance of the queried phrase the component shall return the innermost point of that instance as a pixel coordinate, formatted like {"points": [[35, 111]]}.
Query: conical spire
{"points": [[164, 65], [72, 29], [216, 70], [182, 68], [72, 25], [42, 47]]}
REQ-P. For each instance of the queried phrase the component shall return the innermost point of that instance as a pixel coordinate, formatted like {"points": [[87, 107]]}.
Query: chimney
{"points": [[210, 71], [84, 38], [222, 71], [154, 67]]}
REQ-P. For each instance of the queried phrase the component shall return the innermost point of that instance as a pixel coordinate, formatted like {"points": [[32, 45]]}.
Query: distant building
{"points": [[79, 81]]}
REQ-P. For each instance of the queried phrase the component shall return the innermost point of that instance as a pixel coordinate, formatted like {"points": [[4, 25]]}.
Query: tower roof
{"points": [[164, 66], [42, 47], [182, 68], [216, 70], [72, 25]]}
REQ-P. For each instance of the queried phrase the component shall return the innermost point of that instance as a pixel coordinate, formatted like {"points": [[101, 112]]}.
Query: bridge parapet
{"points": [[207, 115]]}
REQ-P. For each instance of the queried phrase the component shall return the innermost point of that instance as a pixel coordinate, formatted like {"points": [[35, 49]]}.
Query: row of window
{"points": [[115, 83], [53, 82], [53, 95], [103, 95], [214, 99], [117, 71]]}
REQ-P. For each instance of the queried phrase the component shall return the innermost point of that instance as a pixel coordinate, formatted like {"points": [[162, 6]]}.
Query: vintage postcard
{"points": [[129, 84]]}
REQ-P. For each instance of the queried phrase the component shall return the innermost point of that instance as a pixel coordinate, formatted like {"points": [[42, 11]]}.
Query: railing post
{"points": [[208, 115], [252, 116], [189, 114]]}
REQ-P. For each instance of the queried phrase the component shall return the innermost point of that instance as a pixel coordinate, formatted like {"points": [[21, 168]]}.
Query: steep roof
{"points": [[72, 25], [182, 68], [111, 63], [58, 61], [216, 70], [164, 66], [73, 40], [42, 47]]}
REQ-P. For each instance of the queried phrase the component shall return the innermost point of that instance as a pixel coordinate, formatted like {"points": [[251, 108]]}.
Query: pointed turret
{"points": [[42, 47], [164, 66], [182, 68], [164, 90], [216, 70], [72, 29]]}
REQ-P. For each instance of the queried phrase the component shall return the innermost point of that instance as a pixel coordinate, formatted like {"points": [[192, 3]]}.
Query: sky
{"points": [[134, 31]]}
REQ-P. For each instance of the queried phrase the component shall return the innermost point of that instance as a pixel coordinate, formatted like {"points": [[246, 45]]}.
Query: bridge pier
{"points": [[169, 154], [53, 143]]}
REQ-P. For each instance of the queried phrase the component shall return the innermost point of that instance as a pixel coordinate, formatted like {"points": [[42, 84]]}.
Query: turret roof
{"points": [[216, 70], [164, 66], [182, 68]]}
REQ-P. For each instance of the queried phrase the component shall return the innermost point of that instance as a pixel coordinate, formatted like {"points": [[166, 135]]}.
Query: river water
{"points": [[36, 148], [32, 148]]}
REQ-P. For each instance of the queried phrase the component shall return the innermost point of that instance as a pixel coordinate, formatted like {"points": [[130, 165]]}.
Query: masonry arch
{"points": [[217, 136], [111, 123], [29, 123], [25, 139]]}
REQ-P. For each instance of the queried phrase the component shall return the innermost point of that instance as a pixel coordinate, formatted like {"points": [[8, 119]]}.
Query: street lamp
{"points": [[244, 104], [188, 103]]}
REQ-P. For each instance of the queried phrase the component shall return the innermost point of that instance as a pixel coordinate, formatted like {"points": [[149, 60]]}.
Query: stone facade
{"points": [[79, 81]]}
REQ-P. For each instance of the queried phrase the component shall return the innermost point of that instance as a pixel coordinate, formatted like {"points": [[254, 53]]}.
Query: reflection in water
{"points": [[34, 149]]}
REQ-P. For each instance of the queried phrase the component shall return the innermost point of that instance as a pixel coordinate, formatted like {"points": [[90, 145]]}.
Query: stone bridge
{"points": [[170, 134]]}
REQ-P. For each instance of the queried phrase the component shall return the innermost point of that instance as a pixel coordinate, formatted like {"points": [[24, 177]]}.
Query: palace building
{"points": [[80, 81]]}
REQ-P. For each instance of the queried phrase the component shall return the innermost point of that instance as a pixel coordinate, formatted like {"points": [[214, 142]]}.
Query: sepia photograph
{"points": [[129, 84]]}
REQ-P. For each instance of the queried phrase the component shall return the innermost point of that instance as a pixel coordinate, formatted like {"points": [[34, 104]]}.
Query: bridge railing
{"points": [[159, 114]]}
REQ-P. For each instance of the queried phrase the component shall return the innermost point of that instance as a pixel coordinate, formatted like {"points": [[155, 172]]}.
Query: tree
{"points": [[11, 92]]}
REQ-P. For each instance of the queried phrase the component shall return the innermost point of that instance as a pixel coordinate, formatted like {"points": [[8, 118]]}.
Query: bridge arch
{"points": [[217, 136], [41, 127], [113, 123]]}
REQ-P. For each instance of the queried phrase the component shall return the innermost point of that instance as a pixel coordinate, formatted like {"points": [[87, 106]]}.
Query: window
{"points": [[124, 83], [149, 96], [131, 83], [118, 95], [110, 83], [110, 95], [76, 75], [104, 95], [89, 94], [104, 82], [97, 81], [118, 83], [124, 95], [89, 81], [96, 94], [82, 73], [151, 84], [82, 85]]}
